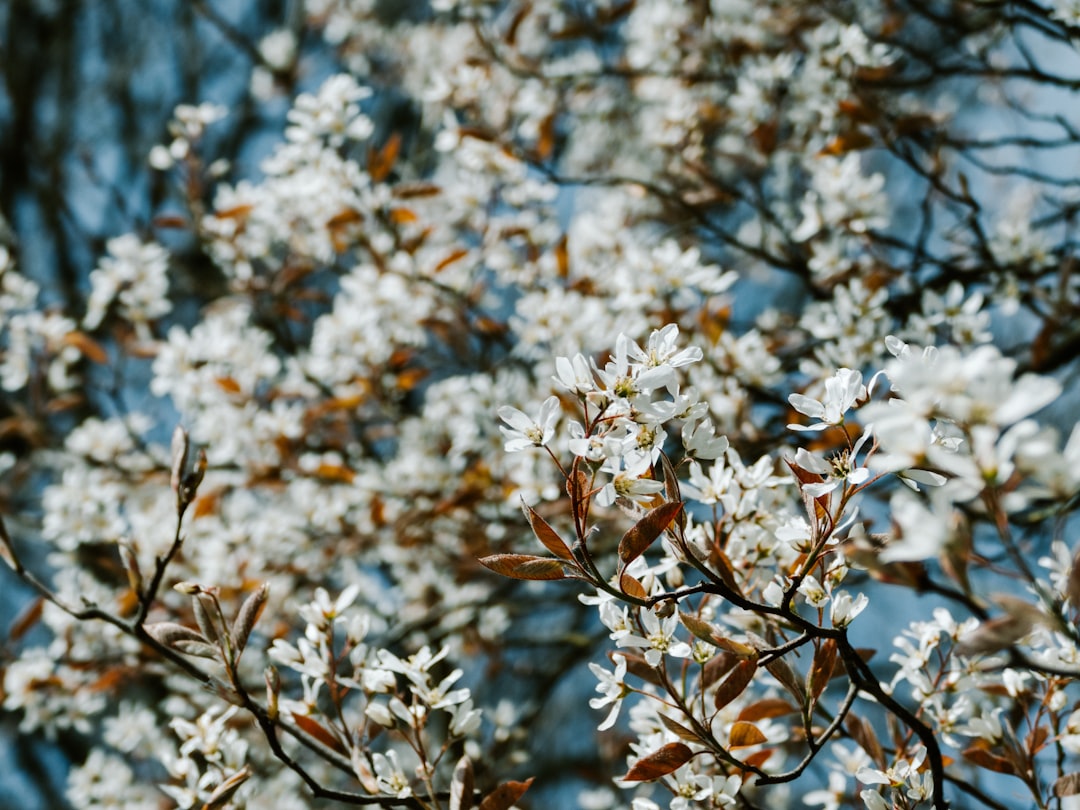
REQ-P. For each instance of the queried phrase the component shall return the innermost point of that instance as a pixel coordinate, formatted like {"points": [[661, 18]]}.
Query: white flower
{"points": [[612, 688], [389, 775], [659, 639], [524, 431], [574, 374], [842, 390], [841, 468], [844, 609]]}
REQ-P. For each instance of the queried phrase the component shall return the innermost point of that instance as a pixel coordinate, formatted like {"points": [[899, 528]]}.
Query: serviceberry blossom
{"points": [[525, 431], [612, 689], [842, 390]]}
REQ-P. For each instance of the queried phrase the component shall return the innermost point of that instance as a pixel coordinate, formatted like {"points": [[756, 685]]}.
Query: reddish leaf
{"points": [[317, 731], [736, 682], [863, 733], [659, 763], [758, 758], [382, 161], [505, 795], [26, 619], [822, 670], [642, 534], [679, 730], [765, 709], [992, 762], [403, 216], [547, 535], [710, 633], [1036, 739], [562, 257], [782, 671], [524, 566], [722, 566], [87, 346], [577, 487], [460, 253], [745, 734], [408, 191], [671, 488], [631, 587]]}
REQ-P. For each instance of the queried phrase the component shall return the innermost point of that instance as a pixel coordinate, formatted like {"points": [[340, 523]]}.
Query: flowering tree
{"points": [[755, 321]]}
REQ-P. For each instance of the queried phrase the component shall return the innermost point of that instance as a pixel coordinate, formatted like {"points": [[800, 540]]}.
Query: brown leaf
{"points": [[642, 534], [547, 535], [822, 670], [505, 795], [247, 616], [782, 671], [710, 633], [408, 191], [317, 731], [219, 799], [452, 257], [758, 759], [461, 785], [745, 734], [631, 587], [87, 346], [992, 762], [863, 733], [736, 682], [381, 162], [766, 709], [524, 566], [1068, 785], [679, 730], [171, 633], [26, 619], [659, 763], [403, 216], [577, 487], [562, 257]]}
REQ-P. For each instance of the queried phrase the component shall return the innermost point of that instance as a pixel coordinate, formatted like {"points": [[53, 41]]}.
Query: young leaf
{"points": [[710, 633], [171, 633], [642, 534], [984, 758], [631, 587], [577, 487], [671, 488], [461, 785], [547, 535], [1068, 785], [247, 616], [736, 682], [822, 670], [505, 795], [745, 734], [863, 733], [766, 709], [782, 671], [679, 730], [659, 763], [524, 566], [219, 799], [316, 730]]}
